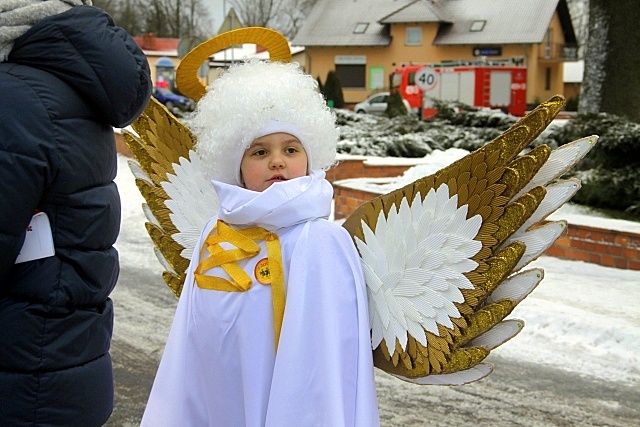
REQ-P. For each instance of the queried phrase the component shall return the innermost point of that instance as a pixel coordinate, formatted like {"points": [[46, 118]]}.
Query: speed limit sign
{"points": [[426, 78]]}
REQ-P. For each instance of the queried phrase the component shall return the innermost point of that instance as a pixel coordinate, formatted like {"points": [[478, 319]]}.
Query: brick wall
{"points": [[611, 248], [357, 168], [347, 200]]}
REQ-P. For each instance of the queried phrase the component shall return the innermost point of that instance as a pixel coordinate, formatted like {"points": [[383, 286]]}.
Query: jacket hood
{"points": [[81, 47]]}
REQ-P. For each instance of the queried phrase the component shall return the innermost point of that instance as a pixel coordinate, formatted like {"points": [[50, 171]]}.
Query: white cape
{"points": [[220, 368]]}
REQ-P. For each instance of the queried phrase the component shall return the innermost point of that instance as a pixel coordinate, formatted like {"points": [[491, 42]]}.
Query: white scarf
{"points": [[283, 204], [17, 16]]}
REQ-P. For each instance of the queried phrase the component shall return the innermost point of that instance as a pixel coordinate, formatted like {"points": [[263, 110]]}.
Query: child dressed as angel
{"points": [[272, 325]]}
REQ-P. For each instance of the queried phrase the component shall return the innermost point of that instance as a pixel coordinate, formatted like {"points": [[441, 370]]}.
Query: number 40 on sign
{"points": [[426, 78]]}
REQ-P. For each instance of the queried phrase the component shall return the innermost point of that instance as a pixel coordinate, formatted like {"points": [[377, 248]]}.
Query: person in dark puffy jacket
{"points": [[68, 75]]}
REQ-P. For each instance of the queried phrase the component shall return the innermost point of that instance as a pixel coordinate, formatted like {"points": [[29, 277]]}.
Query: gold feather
{"points": [[159, 141]]}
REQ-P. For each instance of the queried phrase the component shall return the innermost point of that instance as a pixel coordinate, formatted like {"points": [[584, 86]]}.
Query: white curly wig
{"points": [[248, 99]]}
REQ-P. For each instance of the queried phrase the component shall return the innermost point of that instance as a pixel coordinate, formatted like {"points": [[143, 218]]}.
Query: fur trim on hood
{"points": [[17, 16]]}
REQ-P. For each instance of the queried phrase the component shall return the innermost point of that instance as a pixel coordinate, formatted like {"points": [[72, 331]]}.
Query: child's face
{"points": [[272, 158]]}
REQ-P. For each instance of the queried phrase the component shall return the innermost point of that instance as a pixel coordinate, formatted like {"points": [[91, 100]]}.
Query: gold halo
{"points": [[187, 73]]}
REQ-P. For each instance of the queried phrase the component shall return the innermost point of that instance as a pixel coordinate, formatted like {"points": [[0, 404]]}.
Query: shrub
{"points": [[617, 189], [572, 103], [333, 90], [460, 114], [395, 106], [613, 178]]}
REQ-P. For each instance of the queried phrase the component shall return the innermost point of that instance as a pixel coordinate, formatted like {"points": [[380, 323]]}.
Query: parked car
{"points": [[172, 100], [377, 104]]}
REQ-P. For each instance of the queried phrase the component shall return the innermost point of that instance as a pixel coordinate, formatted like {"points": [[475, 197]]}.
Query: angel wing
{"points": [[443, 256], [179, 198]]}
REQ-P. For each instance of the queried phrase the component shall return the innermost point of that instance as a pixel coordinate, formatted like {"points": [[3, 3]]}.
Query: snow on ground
{"points": [[583, 317], [419, 167]]}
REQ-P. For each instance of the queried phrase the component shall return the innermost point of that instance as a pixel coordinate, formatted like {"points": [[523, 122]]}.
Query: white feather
{"points": [[560, 161], [137, 171], [187, 239], [193, 201], [476, 373], [163, 260], [131, 130], [518, 286], [557, 195], [538, 240], [498, 335], [414, 265], [150, 216]]}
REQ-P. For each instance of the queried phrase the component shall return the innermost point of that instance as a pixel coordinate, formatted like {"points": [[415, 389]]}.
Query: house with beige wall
{"points": [[362, 39]]}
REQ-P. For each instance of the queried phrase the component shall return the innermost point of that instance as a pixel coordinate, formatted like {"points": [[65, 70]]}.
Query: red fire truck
{"points": [[496, 84]]}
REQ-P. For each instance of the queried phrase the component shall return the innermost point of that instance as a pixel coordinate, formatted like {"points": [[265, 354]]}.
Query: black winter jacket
{"points": [[67, 82]]}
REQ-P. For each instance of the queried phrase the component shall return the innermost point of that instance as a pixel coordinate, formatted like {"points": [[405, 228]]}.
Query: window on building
{"points": [[396, 80], [548, 45], [477, 25], [411, 79], [414, 36], [547, 79], [352, 76], [360, 28]]}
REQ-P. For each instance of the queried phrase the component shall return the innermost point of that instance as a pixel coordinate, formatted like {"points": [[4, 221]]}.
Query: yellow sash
{"points": [[246, 247]]}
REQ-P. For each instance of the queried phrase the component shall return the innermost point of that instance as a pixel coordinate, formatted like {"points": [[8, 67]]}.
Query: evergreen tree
{"points": [[395, 106], [333, 90]]}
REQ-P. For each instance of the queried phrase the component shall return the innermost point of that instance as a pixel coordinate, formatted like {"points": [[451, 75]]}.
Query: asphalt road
{"points": [[515, 394]]}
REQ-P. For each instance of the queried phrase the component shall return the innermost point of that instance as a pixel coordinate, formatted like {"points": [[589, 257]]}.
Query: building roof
{"points": [[335, 22], [502, 21], [154, 46], [417, 11]]}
